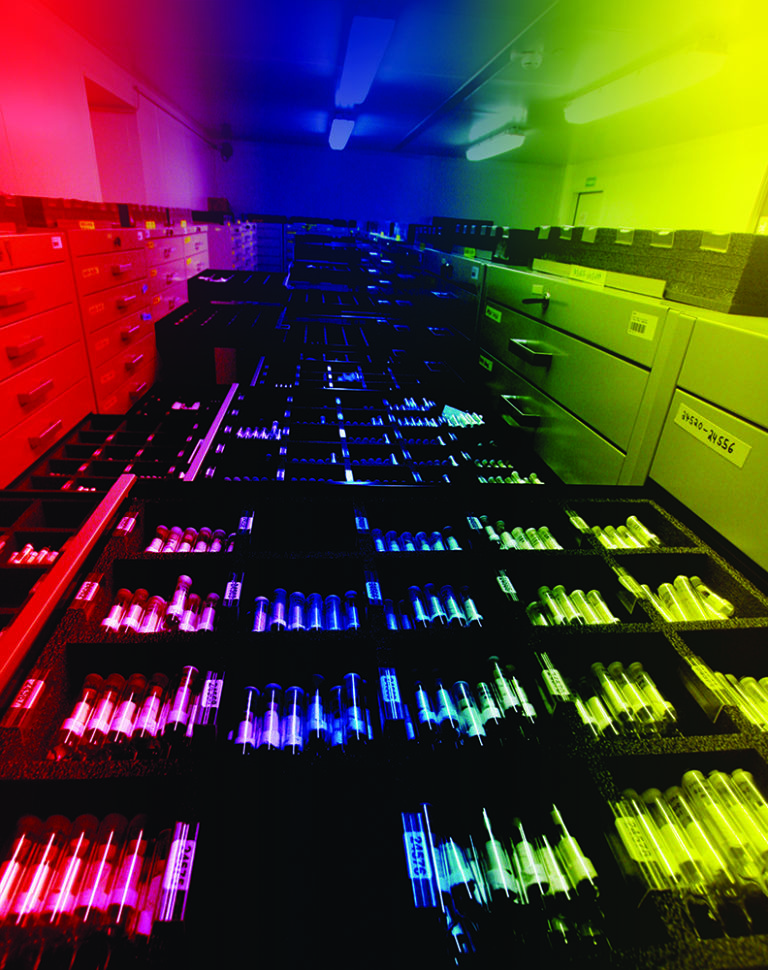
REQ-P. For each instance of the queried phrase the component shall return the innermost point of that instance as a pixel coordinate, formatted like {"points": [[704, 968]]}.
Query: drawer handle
{"points": [[523, 418], [133, 362], [15, 297], [138, 390], [543, 300], [36, 440], [36, 393], [125, 301], [526, 350], [167, 251], [25, 347], [120, 268], [128, 332]]}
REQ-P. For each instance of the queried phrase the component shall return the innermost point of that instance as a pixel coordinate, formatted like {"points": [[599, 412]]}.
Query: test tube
{"points": [[292, 726], [175, 608], [93, 897], [641, 532], [718, 604], [191, 615], [147, 724], [126, 710], [187, 540], [217, 540], [131, 618], [316, 721], [505, 539], [406, 541], [176, 879], [161, 534], [419, 859], [669, 597], [454, 613], [100, 719], [112, 620], [450, 539], [296, 612], [629, 540], [314, 612], [535, 540], [521, 539], [351, 616], [471, 611], [689, 599], [640, 710], [152, 618], [208, 613], [547, 538], [356, 731], [124, 891], [39, 871], [448, 720], [572, 615], [435, 611], [172, 539], [471, 721], [58, 906], [332, 612], [73, 727], [420, 614], [277, 616], [203, 541], [181, 701], [663, 711], [150, 886], [497, 867], [554, 611], [271, 711], [600, 607], [422, 543], [378, 540], [246, 734], [390, 616], [584, 607], [425, 715], [391, 542]]}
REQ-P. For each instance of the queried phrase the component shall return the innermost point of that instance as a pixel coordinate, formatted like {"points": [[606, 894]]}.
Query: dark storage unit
{"points": [[348, 508]]}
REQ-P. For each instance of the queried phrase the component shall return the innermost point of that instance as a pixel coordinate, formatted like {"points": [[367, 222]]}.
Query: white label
{"points": [[87, 591], [56, 242], [389, 688], [554, 681], [178, 869], [417, 855], [374, 592], [125, 525], [232, 592], [362, 523], [212, 693], [642, 325], [29, 693], [726, 445], [588, 275]]}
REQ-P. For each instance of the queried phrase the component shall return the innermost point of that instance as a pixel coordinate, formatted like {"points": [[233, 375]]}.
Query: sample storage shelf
{"points": [[327, 540]]}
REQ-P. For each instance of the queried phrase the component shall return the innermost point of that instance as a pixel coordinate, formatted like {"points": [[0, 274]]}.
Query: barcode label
{"points": [[87, 591], [362, 523], [374, 592], [642, 325]]}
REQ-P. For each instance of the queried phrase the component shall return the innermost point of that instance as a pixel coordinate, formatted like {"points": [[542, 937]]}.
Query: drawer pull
{"points": [[29, 397], [120, 268], [133, 362], [36, 440], [168, 251], [138, 390], [15, 297], [125, 301], [523, 418], [543, 300], [526, 350], [128, 332], [25, 347]]}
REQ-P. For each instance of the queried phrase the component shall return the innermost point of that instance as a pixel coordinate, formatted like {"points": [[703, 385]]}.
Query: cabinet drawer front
{"points": [[118, 336], [125, 395], [122, 367], [33, 249], [624, 323], [94, 273], [33, 389], [196, 264], [729, 367], [164, 249], [88, 242], [197, 243], [99, 309], [28, 341], [708, 475], [572, 450], [602, 389], [29, 440], [25, 292], [169, 274], [169, 299]]}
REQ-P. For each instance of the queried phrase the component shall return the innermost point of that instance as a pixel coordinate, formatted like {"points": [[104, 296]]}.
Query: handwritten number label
{"points": [[718, 439]]}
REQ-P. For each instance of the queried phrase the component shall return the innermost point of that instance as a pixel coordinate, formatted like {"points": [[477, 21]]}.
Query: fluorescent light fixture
{"points": [[663, 77], [341, 129], [505, 141], [368, 39]]}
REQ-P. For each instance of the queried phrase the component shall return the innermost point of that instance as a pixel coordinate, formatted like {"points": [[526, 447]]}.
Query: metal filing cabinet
{"points": [[44, 383], [713, 450], [588, 370], [195, 250]]}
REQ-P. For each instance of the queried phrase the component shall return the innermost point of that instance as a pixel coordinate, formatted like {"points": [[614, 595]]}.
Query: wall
{"points": [[710, 183], [46, 139], [294, 180]]}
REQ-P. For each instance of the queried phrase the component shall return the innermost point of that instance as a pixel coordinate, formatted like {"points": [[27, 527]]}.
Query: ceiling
{"points": [[247, 69]]}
